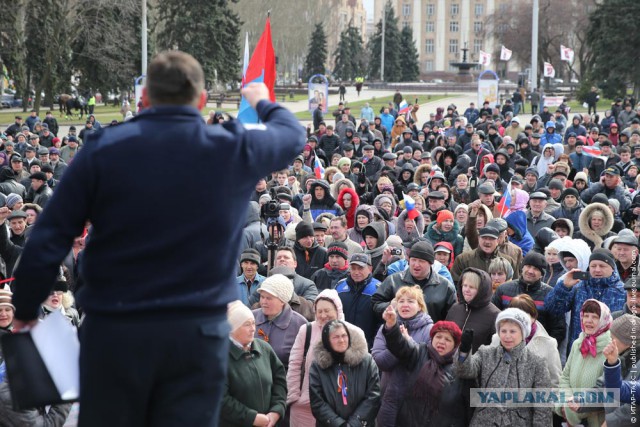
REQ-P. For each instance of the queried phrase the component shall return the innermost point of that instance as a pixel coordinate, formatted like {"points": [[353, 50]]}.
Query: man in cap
{"points": [[335, 269], [40, 189], [356, 293], [58, 165], [504, 245], [435, 202], [537, 218], [125, 287], [492, 174], [249, 281], [310, 256], [610, 186], [534, 267], [625, 250], [487, 195], [632, 305], [372, 163], [482, 256], [439, 293]]}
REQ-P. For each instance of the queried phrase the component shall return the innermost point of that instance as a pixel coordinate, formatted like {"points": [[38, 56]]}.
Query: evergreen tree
{"points": [[210, 31], [409, 67], [350, 54], [317, 53], [392, 48], [614, 23]]}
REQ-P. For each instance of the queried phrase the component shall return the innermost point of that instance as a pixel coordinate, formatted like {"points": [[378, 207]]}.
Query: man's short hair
{"points": [[174, 77], [341, 219], [287, 249]]}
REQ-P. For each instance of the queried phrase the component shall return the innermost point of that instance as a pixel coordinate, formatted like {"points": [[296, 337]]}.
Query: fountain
{"points": [[464, 68]]}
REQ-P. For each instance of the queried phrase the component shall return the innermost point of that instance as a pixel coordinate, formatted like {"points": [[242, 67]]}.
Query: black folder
{"points": [[29, 380]]}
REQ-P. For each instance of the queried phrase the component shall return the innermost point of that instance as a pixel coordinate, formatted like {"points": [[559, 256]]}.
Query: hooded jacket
{"points": [[297, 393], [439, 293], [355, 233], [544, 237], [452, 255], [327, 204], [435, 235], [376, 253], [356, 303], [350, 214], [418, 173], [461, 167], [363, 384], [394, 375], [478, 314], [517, 221], [402, 232], [594, 239]]}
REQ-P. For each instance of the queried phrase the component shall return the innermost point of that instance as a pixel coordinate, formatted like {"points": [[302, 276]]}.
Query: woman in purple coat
{"points": [[415, 324]]}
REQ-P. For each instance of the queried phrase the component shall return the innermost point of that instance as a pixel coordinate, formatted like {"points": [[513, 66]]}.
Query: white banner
{"points": [[553, 101], [566, 54], [488, 91], [505, 54], [549, 71], [485, 58]]}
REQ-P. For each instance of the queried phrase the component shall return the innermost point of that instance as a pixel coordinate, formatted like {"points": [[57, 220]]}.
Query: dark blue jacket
{"points": [[357, 306], [146, 253]]}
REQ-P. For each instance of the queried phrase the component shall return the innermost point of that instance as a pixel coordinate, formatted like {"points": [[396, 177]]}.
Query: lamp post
{"points": [[534, 45]]}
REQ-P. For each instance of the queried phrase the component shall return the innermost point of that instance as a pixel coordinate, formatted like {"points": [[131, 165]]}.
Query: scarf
{"points": [[589, 345], [376, 252], [534, 328], [430, 381]]}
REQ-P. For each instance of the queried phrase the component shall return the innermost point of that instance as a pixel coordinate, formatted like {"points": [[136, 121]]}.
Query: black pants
{"points": [[534, 109], [592, 107], [161, 370]]}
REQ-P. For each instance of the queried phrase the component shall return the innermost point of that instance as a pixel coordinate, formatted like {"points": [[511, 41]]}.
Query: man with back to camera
{"points": [[155, 338]]}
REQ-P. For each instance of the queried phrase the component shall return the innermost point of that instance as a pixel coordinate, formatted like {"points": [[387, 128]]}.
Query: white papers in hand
{"points": [[57, 342]]}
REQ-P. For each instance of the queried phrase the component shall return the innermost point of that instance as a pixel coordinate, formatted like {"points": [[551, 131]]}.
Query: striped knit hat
{"points": [[5, 297]]}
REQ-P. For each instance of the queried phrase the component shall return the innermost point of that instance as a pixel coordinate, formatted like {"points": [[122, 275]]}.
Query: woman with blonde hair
{"points": [[415, 325], [500, 271]]}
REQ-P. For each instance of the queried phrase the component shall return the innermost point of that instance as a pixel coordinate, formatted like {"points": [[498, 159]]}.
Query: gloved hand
{"points": [[467, 340]]}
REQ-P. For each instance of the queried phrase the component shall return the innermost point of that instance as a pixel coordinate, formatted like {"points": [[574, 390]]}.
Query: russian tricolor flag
{"points": [[593, 152], [505, 202], [317, 167], [261, 69], [403, 107]]}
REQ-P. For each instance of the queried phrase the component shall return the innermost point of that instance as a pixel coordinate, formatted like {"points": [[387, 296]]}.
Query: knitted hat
{"points": [[237, 314], [536, 260], [278, 285], [303, 229], [338, 248], [5, 297], [250, 254], [518, 316], [603, 255], [555, 184], [13, 199], [264, 198], [443, 216], [570, 192], [446, 326], [622, 328], [424, 251], [344, 161]]}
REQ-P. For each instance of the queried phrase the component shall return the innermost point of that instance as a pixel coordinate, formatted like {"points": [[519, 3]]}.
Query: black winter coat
{"points": [[316, 255]]}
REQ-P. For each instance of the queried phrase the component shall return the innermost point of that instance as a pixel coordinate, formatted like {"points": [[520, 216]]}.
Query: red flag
{"points": [[262, 68]]}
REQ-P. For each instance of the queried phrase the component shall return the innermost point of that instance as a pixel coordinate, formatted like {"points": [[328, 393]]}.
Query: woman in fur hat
{"points": [[596, 221], [344, 386]]}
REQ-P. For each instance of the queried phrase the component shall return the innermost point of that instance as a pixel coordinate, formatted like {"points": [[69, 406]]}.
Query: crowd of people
{"points": [[392, 267]]}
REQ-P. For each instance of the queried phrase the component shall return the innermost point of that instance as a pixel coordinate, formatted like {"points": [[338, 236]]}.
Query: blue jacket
{"points": [[561, 299], [613, 379], [138, 258], [403, 264], [244, 290], [550, 138], [579, 161], [357, 306], [387, 120], [517, 221]]}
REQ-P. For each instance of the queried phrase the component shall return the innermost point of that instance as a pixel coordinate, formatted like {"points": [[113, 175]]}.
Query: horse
{"points": [[68, 103]]}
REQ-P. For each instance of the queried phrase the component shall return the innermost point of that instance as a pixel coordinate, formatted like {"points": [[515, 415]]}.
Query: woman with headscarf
{"points": [[415, 325], [510, 365], [256, 386], [327, 307], [276, 323], [344, 387], [432, 395], [585, 362]]}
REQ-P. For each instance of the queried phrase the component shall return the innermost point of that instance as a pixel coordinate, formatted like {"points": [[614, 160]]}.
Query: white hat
{"points": [[237, 314], [5, 297], [278, 285], [516, 119], [519, 317]]}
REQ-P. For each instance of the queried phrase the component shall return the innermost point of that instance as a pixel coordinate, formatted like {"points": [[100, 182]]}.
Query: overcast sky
{"points": [[368, 4]]}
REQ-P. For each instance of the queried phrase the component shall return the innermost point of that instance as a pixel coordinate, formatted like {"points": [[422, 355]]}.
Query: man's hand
{"points": [[569, 281], [255, 92], [19, 325], [386, 256], [4, 213], [261, 420], [611, 353], [306, 201]]}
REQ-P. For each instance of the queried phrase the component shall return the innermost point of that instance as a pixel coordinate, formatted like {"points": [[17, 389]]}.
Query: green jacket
{"points": [[256, 383]]}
